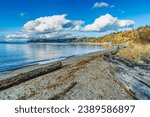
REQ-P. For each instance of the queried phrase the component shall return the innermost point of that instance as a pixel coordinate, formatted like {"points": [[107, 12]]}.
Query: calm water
{"points": [[13, 56]]}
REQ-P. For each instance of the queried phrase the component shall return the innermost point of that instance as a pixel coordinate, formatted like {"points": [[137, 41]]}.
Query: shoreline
{"points": [[99, 75], [42, 62], [80, 77], [27, 68]]}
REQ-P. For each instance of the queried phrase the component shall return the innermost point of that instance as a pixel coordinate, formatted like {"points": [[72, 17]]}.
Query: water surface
{"points": [[13, 56]]}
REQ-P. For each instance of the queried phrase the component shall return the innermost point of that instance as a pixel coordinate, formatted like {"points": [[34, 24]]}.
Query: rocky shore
{"points": [[88, 76]]}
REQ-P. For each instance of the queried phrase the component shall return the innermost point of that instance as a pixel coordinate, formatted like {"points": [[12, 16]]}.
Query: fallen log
{"points": [[133, 77], [135, 87], [124, 85], [11, 81], [127, 62]]}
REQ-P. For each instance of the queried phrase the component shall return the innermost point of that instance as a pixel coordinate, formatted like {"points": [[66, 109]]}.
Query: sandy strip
{"points": [[81, 77]]}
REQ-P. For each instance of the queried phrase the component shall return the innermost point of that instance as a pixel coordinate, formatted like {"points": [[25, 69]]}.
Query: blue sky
{"points": [[15, 13]]}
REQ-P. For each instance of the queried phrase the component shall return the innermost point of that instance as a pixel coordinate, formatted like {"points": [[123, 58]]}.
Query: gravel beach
{"points": [[85, 77]]}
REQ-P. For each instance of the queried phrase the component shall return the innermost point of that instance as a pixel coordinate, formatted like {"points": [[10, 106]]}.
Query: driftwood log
{"points": [[61, 94], [11, 81], [132, 76]]}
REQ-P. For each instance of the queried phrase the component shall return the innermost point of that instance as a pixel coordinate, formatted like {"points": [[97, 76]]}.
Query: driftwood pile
{"points": [[132, 76]]}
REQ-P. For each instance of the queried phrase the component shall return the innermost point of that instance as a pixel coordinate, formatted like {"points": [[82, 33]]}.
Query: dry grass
{"points": [[136, 52], [138, 40], [140, 35]]}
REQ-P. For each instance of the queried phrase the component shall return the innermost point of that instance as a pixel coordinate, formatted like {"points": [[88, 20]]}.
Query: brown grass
{"points": [[136, 52]]}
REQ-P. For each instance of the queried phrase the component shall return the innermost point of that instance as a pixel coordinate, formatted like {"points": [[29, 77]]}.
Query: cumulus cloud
{"points": [[56, 35], [58, 26], [50, 24], [100, 4], [17, 35], [108, 22]]}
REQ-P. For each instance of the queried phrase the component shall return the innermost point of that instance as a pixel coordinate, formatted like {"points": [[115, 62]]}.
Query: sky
{"points": [[70, 18]]}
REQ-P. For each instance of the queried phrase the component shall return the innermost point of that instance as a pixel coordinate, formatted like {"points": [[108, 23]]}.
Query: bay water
{"points": [[18, 55]]}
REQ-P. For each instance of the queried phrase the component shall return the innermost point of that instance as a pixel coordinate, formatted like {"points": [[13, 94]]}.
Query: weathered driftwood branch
{"points": [[123, 84], [133, 77], [127, 62], [61, 94], [11, 81], [135, 87]]}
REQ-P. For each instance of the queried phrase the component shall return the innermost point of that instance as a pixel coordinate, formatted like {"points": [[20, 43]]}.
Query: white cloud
{"points": [[56, 35], [50, 24], [108, 22], [17, 35], [57, 26], [100, 4]]}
